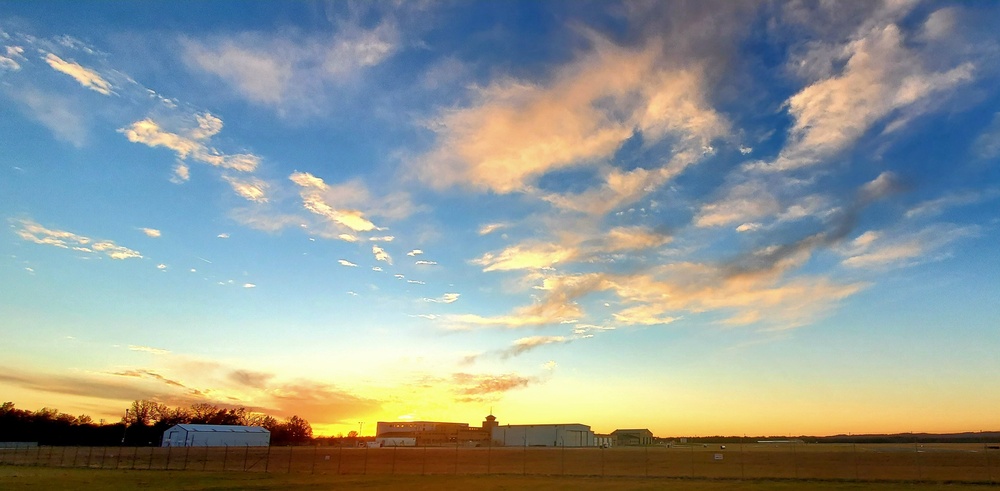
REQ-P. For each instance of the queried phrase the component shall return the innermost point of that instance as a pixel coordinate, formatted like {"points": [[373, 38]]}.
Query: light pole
{"points": [[125, 431]]}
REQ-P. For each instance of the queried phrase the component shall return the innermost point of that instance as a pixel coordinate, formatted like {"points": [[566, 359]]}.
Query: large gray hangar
{"points": [[216, 436], [554, 435]]}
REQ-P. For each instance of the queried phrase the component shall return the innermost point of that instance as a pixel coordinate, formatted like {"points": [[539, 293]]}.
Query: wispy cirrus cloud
{"points": [[881, 250], [446, 298], [252, 189], [148, 349], [190, 141], [477, 387], [10, 61], [881, 76], [85, 76], [33, 232], [151, 232], [332, 202], [294, 74]]}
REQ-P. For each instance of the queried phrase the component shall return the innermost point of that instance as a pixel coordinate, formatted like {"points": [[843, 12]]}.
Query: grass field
{"points": [[45, 478], [945, 463]]}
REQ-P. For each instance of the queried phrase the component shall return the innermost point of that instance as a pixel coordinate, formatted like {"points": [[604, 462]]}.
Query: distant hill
{"points": [[966, 437], [991, 437]]}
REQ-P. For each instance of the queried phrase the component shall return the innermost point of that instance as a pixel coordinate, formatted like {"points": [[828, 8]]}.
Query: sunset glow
{"points": [[704, 218]]}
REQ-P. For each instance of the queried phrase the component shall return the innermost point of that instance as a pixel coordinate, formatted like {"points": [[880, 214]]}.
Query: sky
{"points": [[701, 218]]}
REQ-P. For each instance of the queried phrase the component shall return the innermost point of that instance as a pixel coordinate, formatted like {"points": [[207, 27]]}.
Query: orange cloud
{"points": [[518, 131]]}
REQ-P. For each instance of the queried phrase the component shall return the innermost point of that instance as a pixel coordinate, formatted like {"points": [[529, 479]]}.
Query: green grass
{"points": [[46, 478]]}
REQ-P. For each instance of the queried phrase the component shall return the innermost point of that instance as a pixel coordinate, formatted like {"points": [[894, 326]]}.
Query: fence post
{"points": [[743, 472], [267, 461], [856, 474], [989, 468], [149, 465], [288, 469], [187, 453], [246, 455], [315, 451], [691, 446], [170, 451], [204, 464], [225, 457], [340, 457], [135, 456], [562, 460], [795, 458], [104, 453]]}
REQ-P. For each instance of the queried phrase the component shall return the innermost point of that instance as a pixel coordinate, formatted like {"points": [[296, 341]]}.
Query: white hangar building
{"points": [[554, 435], [216, 436]]}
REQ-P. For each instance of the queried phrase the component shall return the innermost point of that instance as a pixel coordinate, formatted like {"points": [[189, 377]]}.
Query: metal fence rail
{"points": [[847, 461]]}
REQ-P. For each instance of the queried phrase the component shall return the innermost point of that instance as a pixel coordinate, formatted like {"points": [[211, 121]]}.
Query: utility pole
{"points": [[125, 431]]}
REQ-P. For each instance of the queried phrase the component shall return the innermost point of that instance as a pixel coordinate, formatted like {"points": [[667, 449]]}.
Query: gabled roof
{"points": [[221, 428], [631, 430]]}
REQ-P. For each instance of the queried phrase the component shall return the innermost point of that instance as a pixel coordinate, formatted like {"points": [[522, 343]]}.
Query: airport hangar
{"points": [[189, 435], [430, 433]]}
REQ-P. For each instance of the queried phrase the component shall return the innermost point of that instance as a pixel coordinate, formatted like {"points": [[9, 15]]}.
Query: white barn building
{"points": [[557, 435], [187, 435]]}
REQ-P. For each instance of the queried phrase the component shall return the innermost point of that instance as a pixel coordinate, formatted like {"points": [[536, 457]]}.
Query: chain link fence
{"points": [[748, 460]]}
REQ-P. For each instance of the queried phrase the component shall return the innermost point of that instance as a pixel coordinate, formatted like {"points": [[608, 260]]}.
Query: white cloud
{"points": [[293, 74], [321, 199], [380, 254], [85, 76], [190, 142], [33, 232], [249, 285], [56, 112], [446, 298], [252, 189], [526, 256], [151, 232], [223, 236], [9, 62], [425, 263], [415, 252], [987, 144], [879, 250], [881, 75], [344, 262], [384, 238], [490, 228], [161, 266]]}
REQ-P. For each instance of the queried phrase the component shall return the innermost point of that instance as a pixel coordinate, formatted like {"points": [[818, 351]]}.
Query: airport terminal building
{"points": [[432, 433]]}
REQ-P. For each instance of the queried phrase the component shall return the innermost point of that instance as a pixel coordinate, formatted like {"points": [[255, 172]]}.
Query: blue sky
{"points": [[710, 218]]}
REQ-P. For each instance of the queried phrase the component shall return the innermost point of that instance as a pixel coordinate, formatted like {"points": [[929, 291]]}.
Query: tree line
{"points": [[143, 424]]}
